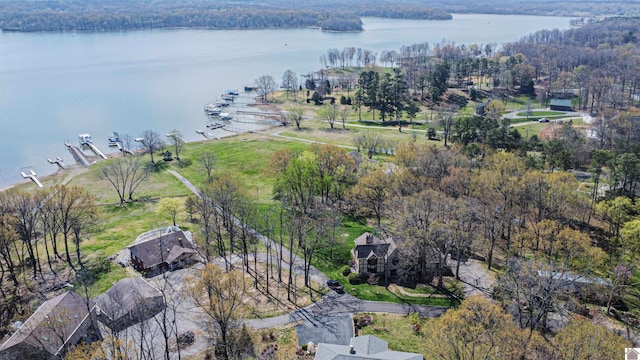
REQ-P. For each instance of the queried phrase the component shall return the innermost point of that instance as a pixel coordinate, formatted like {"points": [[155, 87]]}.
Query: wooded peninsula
{"points": [[103, 15]]}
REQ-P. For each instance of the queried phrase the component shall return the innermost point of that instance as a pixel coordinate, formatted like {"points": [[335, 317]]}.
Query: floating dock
{"points": [[32, 176], [78, 155], [58, 161]]}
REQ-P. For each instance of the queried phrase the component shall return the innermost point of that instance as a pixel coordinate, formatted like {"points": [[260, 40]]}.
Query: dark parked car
{"points": [[335, 286]]}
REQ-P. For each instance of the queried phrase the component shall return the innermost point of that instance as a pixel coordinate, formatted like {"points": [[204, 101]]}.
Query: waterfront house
{"points": [[52, 329], [165, 250]]}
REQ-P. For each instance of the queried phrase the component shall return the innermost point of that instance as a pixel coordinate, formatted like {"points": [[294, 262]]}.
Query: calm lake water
{"points": [[54, 86]]}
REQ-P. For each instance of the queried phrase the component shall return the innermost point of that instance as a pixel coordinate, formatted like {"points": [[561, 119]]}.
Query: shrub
{"points": [[345, 270], [354, 279], [362, 320]]}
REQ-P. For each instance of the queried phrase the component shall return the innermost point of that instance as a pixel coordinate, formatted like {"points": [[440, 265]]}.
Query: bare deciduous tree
{"points": [[290, 82], [329, 113], [152, 142], [221, 296], [124, 175], [295, 115], [265, 84], [176, 140], [208, 162]]}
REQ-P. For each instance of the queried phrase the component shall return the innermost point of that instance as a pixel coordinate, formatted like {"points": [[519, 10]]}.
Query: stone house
{"points": [[372, 255]]}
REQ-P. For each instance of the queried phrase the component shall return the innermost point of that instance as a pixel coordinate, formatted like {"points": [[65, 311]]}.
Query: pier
{"points": [[32, 176], [58, 161], [123, 149], [78, 155], [85, 140], [96, 150], [215, 125]]}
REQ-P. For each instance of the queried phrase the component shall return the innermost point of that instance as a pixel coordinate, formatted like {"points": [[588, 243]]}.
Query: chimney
{"points": [[369, 239]]}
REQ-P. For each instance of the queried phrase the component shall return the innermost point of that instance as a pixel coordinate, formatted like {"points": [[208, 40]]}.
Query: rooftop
{"points": [[362, 347]]}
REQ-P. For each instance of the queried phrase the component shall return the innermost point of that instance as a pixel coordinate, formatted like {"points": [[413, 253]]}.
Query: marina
{"points": [[237, 118]]}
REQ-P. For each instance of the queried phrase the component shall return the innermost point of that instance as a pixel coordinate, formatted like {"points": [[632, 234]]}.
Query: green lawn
{"points": [[527, 131], [398, 331]]}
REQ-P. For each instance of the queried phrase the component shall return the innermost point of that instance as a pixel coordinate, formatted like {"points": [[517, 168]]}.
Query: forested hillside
{"points": [[134, 15], [102, 15]]}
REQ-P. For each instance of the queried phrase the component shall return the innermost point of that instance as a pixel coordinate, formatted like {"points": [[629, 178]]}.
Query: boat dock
{"points": [[85, 140], [32, 176], [78, 155], [57, 161], [123, 149]]}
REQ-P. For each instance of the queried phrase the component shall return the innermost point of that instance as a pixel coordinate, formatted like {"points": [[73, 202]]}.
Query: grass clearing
{"points": [[398, 331]]}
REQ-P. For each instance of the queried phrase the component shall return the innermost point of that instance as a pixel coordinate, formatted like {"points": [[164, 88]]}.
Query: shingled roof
{"points": [[366, 347], [51, 326], [368, 246], [128, 301], [155, 251]]}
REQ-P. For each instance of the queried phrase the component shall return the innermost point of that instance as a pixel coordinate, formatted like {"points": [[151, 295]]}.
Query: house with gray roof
{"points": [[582, 285], [52, 329], [372, 255], [169, 250], [128, 302], [366, 347], [560, 105]]}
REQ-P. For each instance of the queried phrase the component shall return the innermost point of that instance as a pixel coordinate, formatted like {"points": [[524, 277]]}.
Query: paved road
{"points": [[336, 304], [328, 320]]}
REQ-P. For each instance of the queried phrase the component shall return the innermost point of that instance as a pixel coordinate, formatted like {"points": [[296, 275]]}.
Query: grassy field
{"points": [[397, 330]]}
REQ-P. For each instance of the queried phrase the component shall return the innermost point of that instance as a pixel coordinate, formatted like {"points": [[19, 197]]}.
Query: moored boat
{"points": [[84, 139], [212, 110], [114, 139]]}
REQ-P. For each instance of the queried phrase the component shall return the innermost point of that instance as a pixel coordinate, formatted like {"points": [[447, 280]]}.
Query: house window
{"points": [[372, 265], [395, 261]]}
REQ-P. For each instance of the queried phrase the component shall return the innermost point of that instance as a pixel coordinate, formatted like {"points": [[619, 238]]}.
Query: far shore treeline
{"points": [[332, 15], [102, 15]]}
